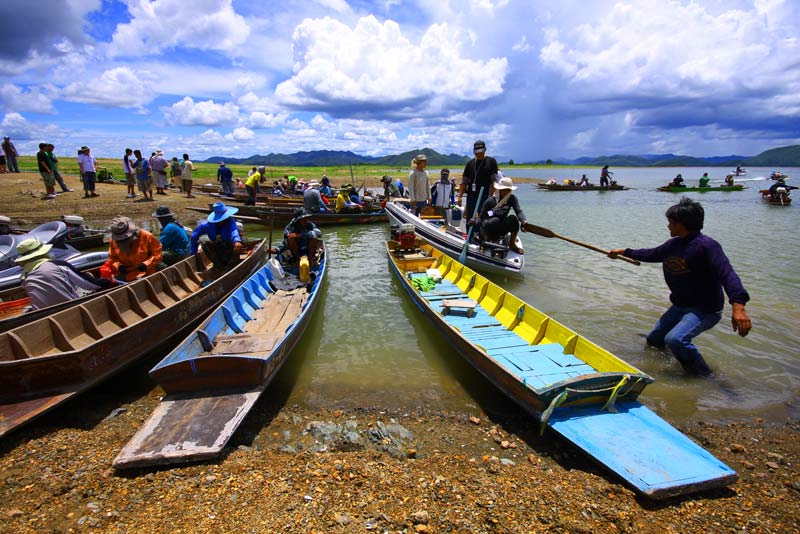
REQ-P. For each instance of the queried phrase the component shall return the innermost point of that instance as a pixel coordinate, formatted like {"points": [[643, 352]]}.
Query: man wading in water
{"points": [[696, 270]]}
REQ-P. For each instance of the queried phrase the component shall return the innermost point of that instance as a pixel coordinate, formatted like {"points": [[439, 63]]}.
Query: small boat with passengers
{"points": [[45, 362], [496, 258], [697, 189], [582, 391], [216, 375], [613, 186]]}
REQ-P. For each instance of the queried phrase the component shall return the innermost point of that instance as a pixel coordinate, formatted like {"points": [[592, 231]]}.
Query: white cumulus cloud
{"points": [[160, 24], [117, 87], [376, 67], [187, 112], [14, 98]]}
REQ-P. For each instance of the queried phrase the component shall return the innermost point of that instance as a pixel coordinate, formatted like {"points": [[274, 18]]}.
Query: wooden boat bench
{"points": [[463, 304]]}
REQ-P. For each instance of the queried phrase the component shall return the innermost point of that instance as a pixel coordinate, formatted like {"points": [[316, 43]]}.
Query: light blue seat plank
{"points": [[642, 448], [555, 352]]}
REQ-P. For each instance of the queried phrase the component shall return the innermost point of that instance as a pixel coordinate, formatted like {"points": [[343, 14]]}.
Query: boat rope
{"points": [[609, 405], [555, 403]]}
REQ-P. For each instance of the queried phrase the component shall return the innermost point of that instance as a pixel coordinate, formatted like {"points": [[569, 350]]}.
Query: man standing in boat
{"points": [[696, 270], [479, 173], [605, 174]]}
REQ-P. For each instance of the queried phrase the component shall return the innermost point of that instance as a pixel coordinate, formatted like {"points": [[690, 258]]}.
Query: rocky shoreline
{"points": [[294, 469]]}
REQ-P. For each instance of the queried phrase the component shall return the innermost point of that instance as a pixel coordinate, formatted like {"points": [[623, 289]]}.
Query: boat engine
{"points": [[407, 237]]}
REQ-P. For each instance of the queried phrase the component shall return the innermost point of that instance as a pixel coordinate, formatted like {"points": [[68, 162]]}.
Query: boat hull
{"points": [[58, 356], [672, 189], [561, 187], [215, 376], [452, 244]]}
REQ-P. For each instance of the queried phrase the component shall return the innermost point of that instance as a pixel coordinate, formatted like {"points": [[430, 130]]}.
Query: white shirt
{"points": [[87, 163], [188, 167]]}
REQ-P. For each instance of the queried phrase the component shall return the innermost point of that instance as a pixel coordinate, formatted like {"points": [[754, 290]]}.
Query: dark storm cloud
{"points": [[32, 27]]}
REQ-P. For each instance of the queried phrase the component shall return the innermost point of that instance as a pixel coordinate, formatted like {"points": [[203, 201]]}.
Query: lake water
{"points": [[368, 346]]}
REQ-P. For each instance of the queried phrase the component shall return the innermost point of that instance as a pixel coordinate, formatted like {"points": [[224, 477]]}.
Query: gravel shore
{"points": [[298, 469]]}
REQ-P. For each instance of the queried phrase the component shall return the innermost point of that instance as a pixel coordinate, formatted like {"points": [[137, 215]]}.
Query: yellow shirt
{"points": [[253, 180], [340, 200]]}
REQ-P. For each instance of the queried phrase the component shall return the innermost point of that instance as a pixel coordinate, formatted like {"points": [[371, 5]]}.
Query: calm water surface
{"points": [[369, 346]]}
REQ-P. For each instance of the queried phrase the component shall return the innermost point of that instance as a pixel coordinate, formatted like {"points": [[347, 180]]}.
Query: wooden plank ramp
{"points": [[647, 452], [197, 426]]}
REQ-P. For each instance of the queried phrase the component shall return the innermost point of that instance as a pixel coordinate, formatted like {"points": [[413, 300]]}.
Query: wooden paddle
{"points": [[544, 232]]}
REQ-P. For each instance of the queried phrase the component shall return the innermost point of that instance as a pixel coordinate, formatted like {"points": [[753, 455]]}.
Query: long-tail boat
{"points": [[698, 189], [582, 391], [45, 362], [485, 257], [216, 375], [576, 187]]}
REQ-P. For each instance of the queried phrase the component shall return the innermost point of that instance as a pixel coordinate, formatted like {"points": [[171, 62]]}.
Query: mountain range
{"points": [[787, 156]]}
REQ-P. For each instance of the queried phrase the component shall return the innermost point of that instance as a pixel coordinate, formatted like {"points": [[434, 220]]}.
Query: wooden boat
{"points": [[46, 362], [284, 215], [778, 200], [592, 187], [451, 242], [676, 189], [14, 302], [92, 238], [216, 375], [584, 392]]}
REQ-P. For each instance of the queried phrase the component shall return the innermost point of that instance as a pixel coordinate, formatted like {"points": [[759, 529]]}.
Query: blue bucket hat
{"points": [[220, 212]]}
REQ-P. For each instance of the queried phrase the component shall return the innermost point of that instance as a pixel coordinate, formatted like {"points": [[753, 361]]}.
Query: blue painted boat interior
{"points": [[537, 366]]}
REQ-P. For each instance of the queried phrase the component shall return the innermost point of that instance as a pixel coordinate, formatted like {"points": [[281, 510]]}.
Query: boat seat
{"points": [[460, 304], [541, 365]]}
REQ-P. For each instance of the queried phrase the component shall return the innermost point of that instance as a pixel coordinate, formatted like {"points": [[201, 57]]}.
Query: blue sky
{"points": [[534, 79]]}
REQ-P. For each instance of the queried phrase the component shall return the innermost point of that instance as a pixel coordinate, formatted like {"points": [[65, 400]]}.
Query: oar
{"points": [[544, 232], [269, 254], [462, 258]]}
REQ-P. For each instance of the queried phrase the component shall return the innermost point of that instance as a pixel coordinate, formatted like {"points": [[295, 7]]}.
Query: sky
{"points": [[534, 79]]}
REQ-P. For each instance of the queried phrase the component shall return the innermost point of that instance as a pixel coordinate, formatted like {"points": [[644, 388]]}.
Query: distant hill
{"points": [[332, 158], [788, 156], [785, 156]]}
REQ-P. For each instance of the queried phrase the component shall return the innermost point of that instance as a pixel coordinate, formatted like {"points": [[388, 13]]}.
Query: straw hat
{"points": [[505, 183], [31, 249], [122, 228], [163, 211]]}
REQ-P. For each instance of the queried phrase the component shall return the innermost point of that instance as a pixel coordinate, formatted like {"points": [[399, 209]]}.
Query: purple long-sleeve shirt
{"points": [[696, 270]]}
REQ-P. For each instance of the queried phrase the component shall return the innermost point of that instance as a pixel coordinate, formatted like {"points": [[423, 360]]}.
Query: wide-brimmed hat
{"points": [[159, 152], [84, 147], [386, 178], [300, 213], [163, 211], [313, 183], [221, 163], [121, 228], [421, 157], [31, 249], [505, 183], [479, 147], [220, 212]]}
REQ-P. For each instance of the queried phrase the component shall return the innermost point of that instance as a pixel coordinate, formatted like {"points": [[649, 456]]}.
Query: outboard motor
{"points": [[406, 236]]}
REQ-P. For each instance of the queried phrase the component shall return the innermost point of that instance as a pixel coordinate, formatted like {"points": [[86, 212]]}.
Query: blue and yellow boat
{"points": [[581, 390]]}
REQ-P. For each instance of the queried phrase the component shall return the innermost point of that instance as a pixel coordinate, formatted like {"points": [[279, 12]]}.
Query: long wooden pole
{"points": [[544, 232]]}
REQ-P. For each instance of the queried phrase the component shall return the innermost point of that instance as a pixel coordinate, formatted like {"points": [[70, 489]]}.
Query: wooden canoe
{"points": [[216, 375], [592, 187], [675, 189], [779, 200], [45, 362], [584, 392]]}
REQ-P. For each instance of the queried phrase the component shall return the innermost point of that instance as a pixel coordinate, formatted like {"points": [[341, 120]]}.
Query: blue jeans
{"points": [[676, 329], [227, 188]]}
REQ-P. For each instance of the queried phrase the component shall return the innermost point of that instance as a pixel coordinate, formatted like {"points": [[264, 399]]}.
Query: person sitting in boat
{"points": [[312, 200], [49, 282], [780, 188], [677, 181], [277, 188], [584, 181], [221, 240], [776, 175], [134, 252], [300, 238], [390, 189], [496, 219], [704, 180], [343, 202], [174, 240], [325, 187], [729, 180], [401, 188], [443, 193], [739, 169]]}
